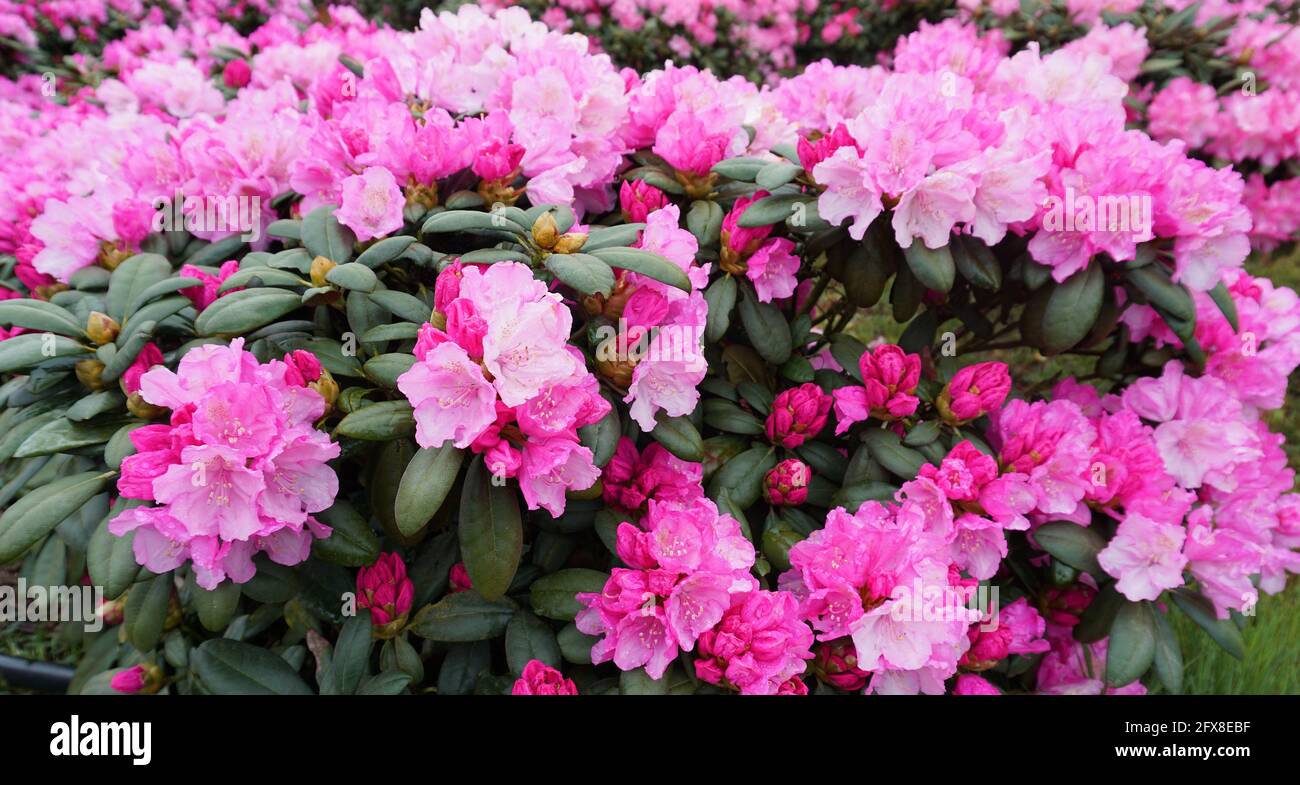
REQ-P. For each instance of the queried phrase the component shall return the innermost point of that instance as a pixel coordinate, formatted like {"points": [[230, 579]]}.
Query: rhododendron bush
{"points": [[346, 358]]}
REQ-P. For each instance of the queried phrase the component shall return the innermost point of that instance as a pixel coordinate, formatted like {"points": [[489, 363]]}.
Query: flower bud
{"points": [[320, 266], [974, 391], [545, 231], [102, 328], [327, 388], [836, 663], [987, 647], [148, 357], [637, 199], [787, 483], [798, 414], [539, 678], [384, 588], [111, 255], [139, 407], [303, 367], [1065, 606], [112, 612], [459, 578], [236, 74], [88, 372], [970, 684], [570, 242], [143, 679]]}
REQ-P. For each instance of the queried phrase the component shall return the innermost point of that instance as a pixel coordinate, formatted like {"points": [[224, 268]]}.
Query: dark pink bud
{"points": [[465, 326], [986, 647], [813, 152], [743, 241], [978, 389], [1065, 606], [787, 483], [303, 367], [539, 678], [798, 414], [890, 376], [236, 74], [447, 287], [637, 199], [129, 681], [384, 588], [836, 663], [970, 684], [459, 578]]}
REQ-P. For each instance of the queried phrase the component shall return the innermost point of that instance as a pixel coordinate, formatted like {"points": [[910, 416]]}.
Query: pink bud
{"points": [[459, 578], [129, 681], [986, 647], [798, 415], [497, 159], [447, 287], [978, 389], [303, 367], [637, 199], [465, 326], [236, 74], [384, 588], [836, 663], [1065, 606], [539, 678], [787, 483], [813, 152], [890, 376], [743, 241]]}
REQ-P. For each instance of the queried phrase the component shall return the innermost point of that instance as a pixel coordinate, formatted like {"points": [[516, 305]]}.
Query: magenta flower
{"points": [[385, 590], [798, 414], [458, 579], [836, 663], [787, 483], [205, 294], [630, 479], [971, 684], [637, 199], [889, 377], [539, 678], [129, 681], [148, 357], [236, 74]]}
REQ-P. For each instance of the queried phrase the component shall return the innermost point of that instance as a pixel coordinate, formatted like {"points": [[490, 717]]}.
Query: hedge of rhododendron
{"points": [[346, 358]]}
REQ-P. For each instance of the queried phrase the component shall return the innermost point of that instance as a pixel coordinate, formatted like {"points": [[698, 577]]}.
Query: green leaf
{"points": [[1061, 315], [401, 331], [63, 435], [1227, 306], [285, 229], [766, 327], [601, 437], [704, 220], [353, 542], [583, 272], [742, 169], [390, 682], [888, 450], [727, 416], [258, 277], [41, 316], [1201, 611], [1132, 645], [646, 263], [109, 558], [38, 512], [425, 484], [381, 421], [771, 210], [1154, 282], [323, 235], [612, 236], [95, 404], [775, 175], [216, 607], [1169, 654], [351, 660], [28, 349], [529, 638], [385, 368], [554, 595], [229, 667], [146, 611], [132, 278], [679, 436], [467, 220], [976, 262], [721, 299], [217, 251], [933, 267], [356, 277], [462, 617], [1096, 620], [402, 305], [242, 312], [575, 645], [741, 477], [1073, 544], [386, 250], [491, 531]]}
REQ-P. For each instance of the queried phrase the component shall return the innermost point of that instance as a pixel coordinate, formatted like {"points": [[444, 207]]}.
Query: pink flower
{"points": [[451, 397], [206, 293], [630, 479], [787, 483], [372, 204], [798, 414], [812, 152], [977, 390], [384, 589], [551, 467], [148, 357], [1047, 443], [889, 377], [539, 678], [759, 645], [773, 268], [638, 199], [1145, 556]]}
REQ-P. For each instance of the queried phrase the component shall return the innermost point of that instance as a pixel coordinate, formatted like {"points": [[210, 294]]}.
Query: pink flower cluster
{"points": [[687, 581], [501, 379], [238, 470]]}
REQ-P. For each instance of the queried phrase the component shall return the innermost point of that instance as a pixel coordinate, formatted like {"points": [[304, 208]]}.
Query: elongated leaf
{"points": [[402, 305], [242, 312], [385, 250], [933, 267], [29, 349], [1132, 644], [529, 638], [680, 437], [323, 235], [462, 617], [41, 316], [37, 513], [491, 531], [554, 595], [767, 329], [1201, 611], [425, 484], [132, 278], [583, 272], [646, 263], [352, 543], [379, 422], [229, 667], [1073, 544]]}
